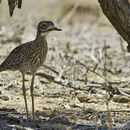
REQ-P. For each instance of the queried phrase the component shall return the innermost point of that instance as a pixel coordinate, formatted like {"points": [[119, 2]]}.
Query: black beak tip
{"points": [[58, 29]]}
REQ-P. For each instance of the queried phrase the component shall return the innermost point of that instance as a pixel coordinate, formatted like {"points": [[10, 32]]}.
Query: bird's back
{"points": [[28, 56]]}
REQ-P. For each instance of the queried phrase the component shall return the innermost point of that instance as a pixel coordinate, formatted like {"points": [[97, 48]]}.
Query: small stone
{"points": [[83, 97], [9, 86], [5, 98], [121, 99], [47, 112]]}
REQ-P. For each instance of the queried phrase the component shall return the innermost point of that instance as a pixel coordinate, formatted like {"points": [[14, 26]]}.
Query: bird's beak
{"points": [[57, 29]]}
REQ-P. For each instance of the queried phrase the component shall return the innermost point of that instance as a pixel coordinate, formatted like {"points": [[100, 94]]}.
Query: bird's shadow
{"points": [[10, 119]]}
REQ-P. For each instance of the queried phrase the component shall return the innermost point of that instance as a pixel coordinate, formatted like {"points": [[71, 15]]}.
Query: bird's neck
{"points": [[41, 37]]}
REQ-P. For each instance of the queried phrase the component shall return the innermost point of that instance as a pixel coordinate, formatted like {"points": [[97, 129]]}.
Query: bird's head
{"points": [[45, 27]]}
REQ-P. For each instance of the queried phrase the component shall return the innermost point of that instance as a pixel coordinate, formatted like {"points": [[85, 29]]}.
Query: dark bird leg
{"points": [[32, 95], [24, 93]]}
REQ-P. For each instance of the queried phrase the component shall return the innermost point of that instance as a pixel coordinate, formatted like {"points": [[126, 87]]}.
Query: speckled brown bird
{"points": [[29, 57]]}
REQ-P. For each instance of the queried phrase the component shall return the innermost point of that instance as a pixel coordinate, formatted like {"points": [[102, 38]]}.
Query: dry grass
{"points": [[74, 97]]}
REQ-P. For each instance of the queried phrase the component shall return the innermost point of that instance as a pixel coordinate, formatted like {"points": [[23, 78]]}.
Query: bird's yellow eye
{"points": [[44, 26]]}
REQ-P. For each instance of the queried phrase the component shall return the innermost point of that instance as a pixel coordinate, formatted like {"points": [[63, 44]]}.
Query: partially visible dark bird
{"points": [[29, 57]]}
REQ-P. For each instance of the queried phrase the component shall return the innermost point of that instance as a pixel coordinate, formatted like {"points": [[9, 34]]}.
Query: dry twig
{"points": [[82, 64], [107, 89]]}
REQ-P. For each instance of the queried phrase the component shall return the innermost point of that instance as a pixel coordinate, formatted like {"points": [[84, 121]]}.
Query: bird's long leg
{"points": [[24, 93], [32, 95]]}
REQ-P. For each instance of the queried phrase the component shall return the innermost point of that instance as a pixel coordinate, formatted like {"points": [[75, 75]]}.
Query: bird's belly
{"points": [[34, 63]]}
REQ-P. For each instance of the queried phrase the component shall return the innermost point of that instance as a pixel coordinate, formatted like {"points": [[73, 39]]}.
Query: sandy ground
{"points": [[75, 98]]}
